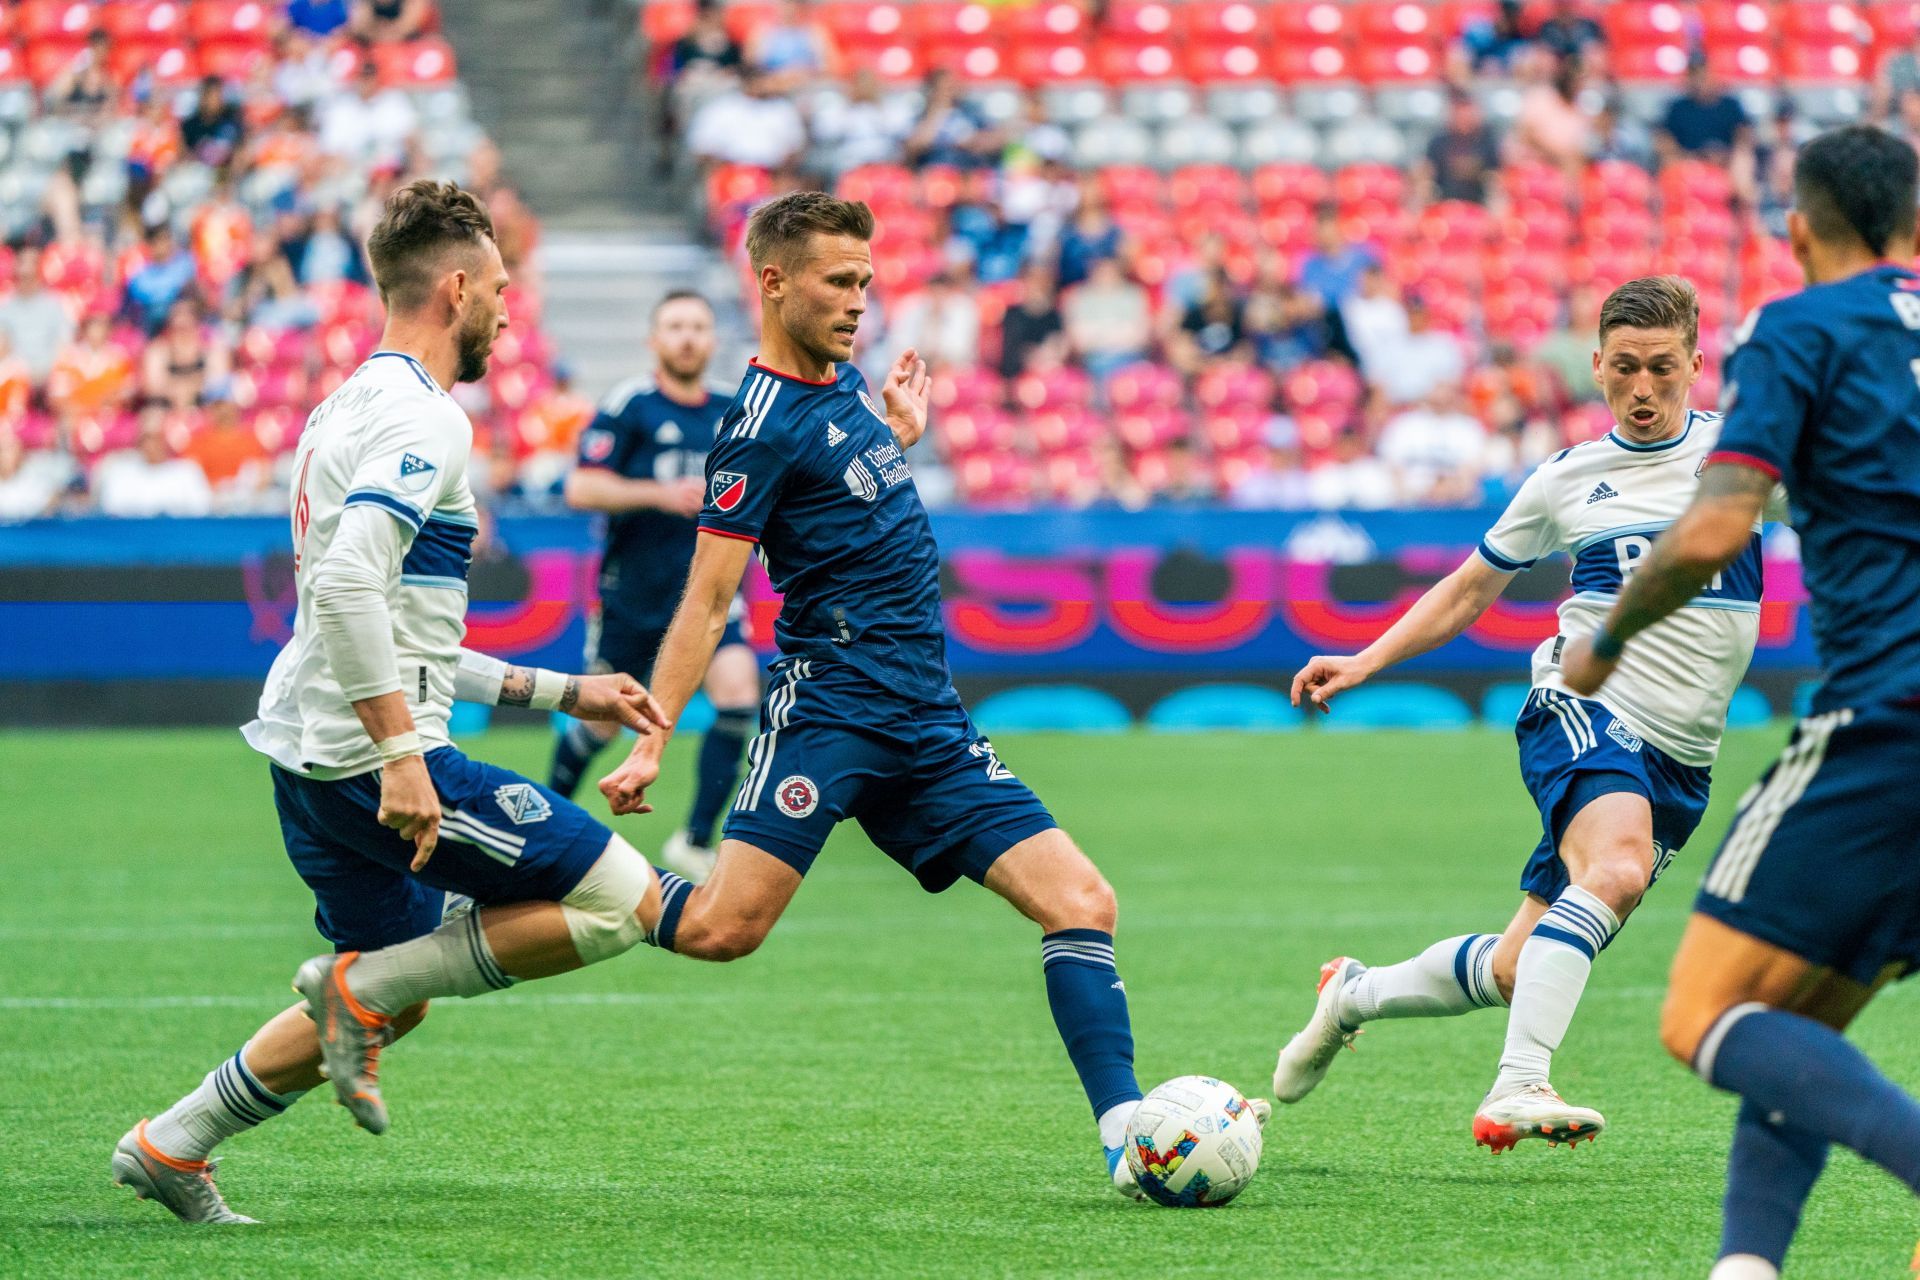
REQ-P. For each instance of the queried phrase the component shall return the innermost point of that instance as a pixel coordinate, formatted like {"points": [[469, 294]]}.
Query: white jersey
{"points": [[1603, 503], [389, 438]]}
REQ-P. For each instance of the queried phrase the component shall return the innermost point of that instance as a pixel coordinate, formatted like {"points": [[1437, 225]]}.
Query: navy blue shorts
{"points": [[1823, 857], [502, 839], [921, 780], [1572, 752], [614, 645]]}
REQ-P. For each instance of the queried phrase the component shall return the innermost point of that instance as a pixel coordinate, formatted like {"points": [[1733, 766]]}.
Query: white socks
{"points": [[1113, 1123], [453, 960], [1450, 977], [228, 1101], [1548, 983]]}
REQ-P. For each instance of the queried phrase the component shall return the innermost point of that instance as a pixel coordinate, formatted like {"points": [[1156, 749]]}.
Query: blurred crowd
{"points": [[1370, 295], [182, 276]]}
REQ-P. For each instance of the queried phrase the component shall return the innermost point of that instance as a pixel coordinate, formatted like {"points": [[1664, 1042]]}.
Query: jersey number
{"points": [[302, 513]]}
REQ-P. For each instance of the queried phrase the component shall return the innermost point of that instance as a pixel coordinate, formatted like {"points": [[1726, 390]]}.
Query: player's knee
{"points": [[1683, 1024], [606, 911], [409, 1018], [1085, 903], [1619, 876], [718, 940]]}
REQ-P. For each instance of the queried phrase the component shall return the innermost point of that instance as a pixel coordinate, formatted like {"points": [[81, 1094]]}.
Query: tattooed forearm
{"points": [[571, 694], [1706, 539], [517, 689]]}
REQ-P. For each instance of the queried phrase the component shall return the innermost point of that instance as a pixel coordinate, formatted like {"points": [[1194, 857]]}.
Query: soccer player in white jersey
{"points": [[1621, 779], [381, 815]]}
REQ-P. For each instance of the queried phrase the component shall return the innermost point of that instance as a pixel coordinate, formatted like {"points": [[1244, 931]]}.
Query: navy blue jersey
{"points": [[810, 471], [1824, 394], [641, 434]]}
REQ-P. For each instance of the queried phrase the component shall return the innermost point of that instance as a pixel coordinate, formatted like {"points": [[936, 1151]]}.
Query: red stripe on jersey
{"points": [[728, 533], [792, 377], [1745, 460]]}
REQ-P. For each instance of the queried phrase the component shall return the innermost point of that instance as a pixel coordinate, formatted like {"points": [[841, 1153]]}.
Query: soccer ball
{"points": [[1193, 1143]]}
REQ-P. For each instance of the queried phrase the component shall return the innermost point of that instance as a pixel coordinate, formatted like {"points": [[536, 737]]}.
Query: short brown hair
{"points": [[421, 221], [1653, 302], [781, 226]]}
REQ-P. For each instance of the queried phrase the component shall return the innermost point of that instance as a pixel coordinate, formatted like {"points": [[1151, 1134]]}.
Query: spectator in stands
{"points": [[169, 272], [1567, 352], [366, 125], [1570, 34], [86, 90], [301, 75], [708, 51], [150, 479], [1905, 121], [941, 321], [1706, 121], [93, 375], [1335, 267], [751, 124], [1277, 483], [1899, 75], [793, 48], [1408, 368], [16, 384], [388, 21], [1093, 235], [317, 17], [31, 482], [1461, 159], [326, 254], [1374, 318], [1187, 479], [1353, 479], [1551, 127], [864, 127], [213, 131], [1210, 328], [950, 129], [153, 149], [231, 458], [36, 320], [187, 361], [1775, 182], [266, 294], [1436, 449], [1286, 325], [1618, 136], [1109, 322], [1489, 45], [1032, 325]]}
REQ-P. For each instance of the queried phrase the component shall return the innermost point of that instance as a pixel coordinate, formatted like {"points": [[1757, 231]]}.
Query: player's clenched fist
{"points": [[626, 787], [409, 805], [619, 698], [1323, 677]]}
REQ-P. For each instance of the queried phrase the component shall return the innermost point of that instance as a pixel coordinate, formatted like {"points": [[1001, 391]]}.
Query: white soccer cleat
{"points": [[1122, 1174], [351, 1037], [1743, 1266], [184, 1188], [1304, 1061], [692, 862], [1534, 1111]]}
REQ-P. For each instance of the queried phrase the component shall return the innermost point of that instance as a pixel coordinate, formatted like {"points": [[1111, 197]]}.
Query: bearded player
{"points": [[382, 816], [1620, 780], [862, 720]]}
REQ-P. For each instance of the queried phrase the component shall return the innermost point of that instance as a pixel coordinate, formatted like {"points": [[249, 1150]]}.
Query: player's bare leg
{"points": [[730, 915], [353, 997], [733, 687], [1608, 852]]}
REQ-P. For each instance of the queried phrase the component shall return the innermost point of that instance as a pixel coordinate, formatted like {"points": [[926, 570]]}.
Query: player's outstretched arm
{"points": [[907, 393], [719, 563], [1448, 608], [599, 489], [615, 697], [1708, 536]]}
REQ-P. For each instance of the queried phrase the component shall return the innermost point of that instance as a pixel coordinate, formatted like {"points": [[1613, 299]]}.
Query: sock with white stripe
{"points": [[719, 767], [229, 1101], [1450, 977], [1089, 1005], [673, 900], [573, 750], [1806, 1075], [453, 960], [1548, 982]]}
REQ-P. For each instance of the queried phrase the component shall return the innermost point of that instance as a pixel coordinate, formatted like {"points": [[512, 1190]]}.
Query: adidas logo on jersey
{"points": [[835, 436], [1601, 492]]}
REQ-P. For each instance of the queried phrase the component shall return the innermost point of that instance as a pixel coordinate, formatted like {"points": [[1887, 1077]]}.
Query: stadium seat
{"points": [[1749, 709], [1052, 708], [1281, 141], [1217, 707], [1501, 704], [1397, 706]]}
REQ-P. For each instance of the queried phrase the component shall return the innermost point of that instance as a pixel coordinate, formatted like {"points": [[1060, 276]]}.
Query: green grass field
{"points": [[879, 1090]]}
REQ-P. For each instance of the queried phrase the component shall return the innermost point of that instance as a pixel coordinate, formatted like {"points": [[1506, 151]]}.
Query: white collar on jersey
{"points": [[1658, 445]]}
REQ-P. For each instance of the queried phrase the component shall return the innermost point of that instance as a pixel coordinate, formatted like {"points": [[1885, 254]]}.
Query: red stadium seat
{"points": [[898, 62], [1224, 22], [1455, 224], [56, 19], [977, 429], [970, 60], [954, 23], [1275, 184], [1148, 20], [1396, 22], [1235, 428], [171, 62], [1695, 182], [1649, 63], [1033, 63], [1743, 62], [1049, 22], [232, 61], [661, 21], [1131, 186], [12, 66], [996, 479], [1369, 182], [1309, 20], [861, 25], [1737, 22], [1216, 63], [1893, 23], [1207, 184], [1154, 470], [1052, 389], [1616, 182], [1820, 22], [885, 186], [47, 59], [1643, 22], [144, 20], [1067, 429], [426, 61], [1398, 63], [745, 18], [971, 387], [1124, 61], [1234, 388], [1072, 478], [1307, 63], [1144, 387], [1151, 427], [1535, 225], [1535, 181], [1823, 63]]}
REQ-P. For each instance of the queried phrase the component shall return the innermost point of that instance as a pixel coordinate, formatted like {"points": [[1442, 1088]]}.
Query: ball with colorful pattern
{"points": [[1193, 1143]]}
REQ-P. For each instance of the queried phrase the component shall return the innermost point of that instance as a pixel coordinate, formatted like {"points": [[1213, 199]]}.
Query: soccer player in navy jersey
{"points": [[642, 464], [861, 720], [1813, 901]]}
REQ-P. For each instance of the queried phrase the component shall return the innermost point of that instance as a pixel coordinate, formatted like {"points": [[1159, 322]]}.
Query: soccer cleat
{"points": [[692, 862], [1304, 1061], [1534, 1111], [185, 1188], [351, 1037], [1122, 1174]]}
